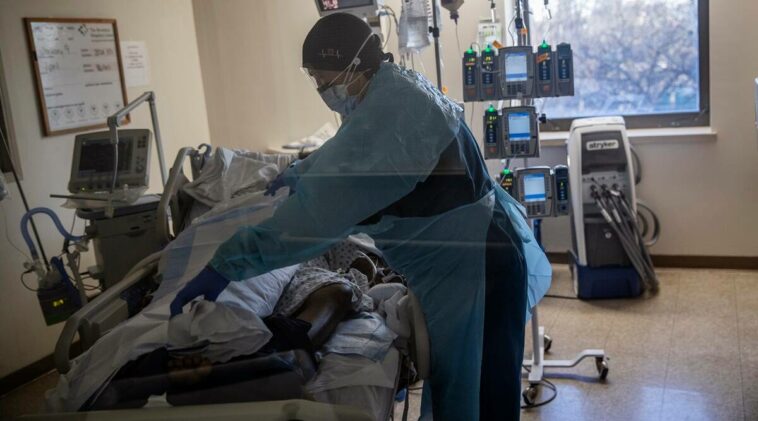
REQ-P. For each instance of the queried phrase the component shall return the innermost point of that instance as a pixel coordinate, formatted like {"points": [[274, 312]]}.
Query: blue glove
{"points": [[284, 179], [207, 283], [275, 185]]}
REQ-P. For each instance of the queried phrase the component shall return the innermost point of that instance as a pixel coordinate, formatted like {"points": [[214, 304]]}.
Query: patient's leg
{"points": [[324, 309]]}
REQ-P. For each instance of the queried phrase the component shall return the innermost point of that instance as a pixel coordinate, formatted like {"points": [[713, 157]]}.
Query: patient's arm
{"points": [[324, 309]]}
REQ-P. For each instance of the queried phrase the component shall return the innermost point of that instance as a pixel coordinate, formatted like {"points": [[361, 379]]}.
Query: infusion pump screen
{"points": [[534, 188], [519, 127], [515, 67], [342, 4], [98, 157]]}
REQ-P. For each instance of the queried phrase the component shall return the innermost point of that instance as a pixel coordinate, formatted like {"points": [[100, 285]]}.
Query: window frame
{"points": [[699, 118]]}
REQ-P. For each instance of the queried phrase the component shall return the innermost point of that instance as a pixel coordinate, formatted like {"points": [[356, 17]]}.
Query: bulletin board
{"points": [[78, 70]]}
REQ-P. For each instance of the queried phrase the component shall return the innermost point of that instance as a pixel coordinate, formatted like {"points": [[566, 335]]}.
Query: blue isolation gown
{"points": [[405, 169]]}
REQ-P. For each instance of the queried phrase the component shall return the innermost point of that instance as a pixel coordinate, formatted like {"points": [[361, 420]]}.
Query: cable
{"points": [[510, 33], [7, 237], [544, 382], [23, 282], [458, 40], [23, 198]]}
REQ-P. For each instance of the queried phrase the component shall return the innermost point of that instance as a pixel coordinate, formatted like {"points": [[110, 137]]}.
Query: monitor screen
{"points": [[534, 188], [326, 5], [519, 126], [97, 157], [515, 67]]}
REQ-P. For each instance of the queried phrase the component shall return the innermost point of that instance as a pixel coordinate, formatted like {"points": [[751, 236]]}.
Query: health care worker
{"points": [[405, 169]]}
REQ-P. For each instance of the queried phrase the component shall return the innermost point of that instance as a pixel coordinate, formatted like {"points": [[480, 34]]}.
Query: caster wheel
{"points": [[548, 341], [530, 395], [602, 367]]}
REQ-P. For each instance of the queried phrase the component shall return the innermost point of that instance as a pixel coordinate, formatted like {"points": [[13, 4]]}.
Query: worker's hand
{"points": [[275, 185], [208, 283], [284, 179]]}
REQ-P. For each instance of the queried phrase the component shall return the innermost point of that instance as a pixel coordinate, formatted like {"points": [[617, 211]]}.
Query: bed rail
{"points": [[78, 319]]}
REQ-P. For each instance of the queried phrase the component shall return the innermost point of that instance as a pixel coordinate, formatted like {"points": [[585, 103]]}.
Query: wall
{"points": [[704, 192], [168, 29]]}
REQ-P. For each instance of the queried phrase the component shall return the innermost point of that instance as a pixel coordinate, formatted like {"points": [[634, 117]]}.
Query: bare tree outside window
{"points": [[631, 57]]}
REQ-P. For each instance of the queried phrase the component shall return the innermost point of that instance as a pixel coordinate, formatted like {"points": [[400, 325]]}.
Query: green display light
{"points": [[544, 44], [470, 51], [488, 49], [491, 108], [506, 171]]}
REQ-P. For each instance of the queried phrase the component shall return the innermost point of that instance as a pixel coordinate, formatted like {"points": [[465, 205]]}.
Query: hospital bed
{"points": [[117, 304]]}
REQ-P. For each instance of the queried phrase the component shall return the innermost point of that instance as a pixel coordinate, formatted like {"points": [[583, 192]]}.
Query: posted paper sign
{"points": [[136, 63]]}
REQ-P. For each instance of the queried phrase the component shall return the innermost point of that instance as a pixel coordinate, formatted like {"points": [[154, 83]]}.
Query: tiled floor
{"points": [[689, 353]]}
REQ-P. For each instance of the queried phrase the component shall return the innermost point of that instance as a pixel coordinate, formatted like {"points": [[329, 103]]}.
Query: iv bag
{"points": [[414, 26]]}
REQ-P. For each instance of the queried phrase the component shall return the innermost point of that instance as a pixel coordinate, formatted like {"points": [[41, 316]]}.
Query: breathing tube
{"points": [[25, 229]]}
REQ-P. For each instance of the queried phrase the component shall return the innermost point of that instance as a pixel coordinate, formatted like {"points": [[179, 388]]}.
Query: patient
{"points": [[322, 293]]}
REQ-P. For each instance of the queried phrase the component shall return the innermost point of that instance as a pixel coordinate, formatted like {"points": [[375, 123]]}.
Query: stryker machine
{"points": [[610, 257]]}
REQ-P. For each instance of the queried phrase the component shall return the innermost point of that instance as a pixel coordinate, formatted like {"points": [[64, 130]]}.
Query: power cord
{"points": [[544, 382]]}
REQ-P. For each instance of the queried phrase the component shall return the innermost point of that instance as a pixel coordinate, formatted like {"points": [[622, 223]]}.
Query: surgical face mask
{"points": [[338, 100], [336, 96]]}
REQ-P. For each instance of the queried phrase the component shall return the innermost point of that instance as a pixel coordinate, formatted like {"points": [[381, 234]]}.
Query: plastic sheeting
{"points": [[221, 332], [366, 335], [148, 330], [357, 381], [230, 173]]}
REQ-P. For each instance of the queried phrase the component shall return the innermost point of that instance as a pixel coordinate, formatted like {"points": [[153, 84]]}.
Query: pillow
{"points": [[258, 294]]}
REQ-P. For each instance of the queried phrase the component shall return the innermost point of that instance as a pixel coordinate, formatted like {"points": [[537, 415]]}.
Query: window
{"points": [[644, 59]]}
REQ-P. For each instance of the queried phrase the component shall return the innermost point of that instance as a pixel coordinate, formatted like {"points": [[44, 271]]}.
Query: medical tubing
{"points": [[25, 228], [656, 224], [624, 241], [627, 238], [631, 217], [630, 239], [633, 236]]}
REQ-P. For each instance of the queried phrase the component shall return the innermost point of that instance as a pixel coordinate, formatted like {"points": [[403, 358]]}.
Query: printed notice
{"points": [[136, 63]]}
